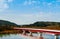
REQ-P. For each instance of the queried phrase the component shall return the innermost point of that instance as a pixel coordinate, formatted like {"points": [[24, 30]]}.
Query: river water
{"points": [[20, 36]]}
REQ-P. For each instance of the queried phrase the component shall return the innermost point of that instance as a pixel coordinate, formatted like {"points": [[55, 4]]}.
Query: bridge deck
{"points": [[40, 30]]}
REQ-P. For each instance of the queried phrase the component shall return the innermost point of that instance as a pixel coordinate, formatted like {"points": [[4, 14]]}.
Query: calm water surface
{"points": [[19, 36]]}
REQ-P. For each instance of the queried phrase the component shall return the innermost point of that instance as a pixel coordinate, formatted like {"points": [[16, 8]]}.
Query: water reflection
{"points": [[1, 35], [19, 36]]}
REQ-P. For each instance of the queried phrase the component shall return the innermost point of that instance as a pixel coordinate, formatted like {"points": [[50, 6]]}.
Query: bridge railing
{"points": [[40, 31]]}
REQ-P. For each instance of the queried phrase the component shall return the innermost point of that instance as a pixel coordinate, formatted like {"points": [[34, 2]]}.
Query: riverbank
{"points": [[19, 31], [10, 32], [48, 27]]}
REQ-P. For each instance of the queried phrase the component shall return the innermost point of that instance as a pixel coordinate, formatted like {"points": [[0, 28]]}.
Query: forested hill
{"points": [[7, 23], [45, 25]]}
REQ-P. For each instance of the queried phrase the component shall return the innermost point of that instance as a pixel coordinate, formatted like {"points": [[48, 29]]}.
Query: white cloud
{"points": [[25, 3], [4, 4], [49, 4], [45, 3], [30, 2], [33, 1], [10, 0], [58, 0]]}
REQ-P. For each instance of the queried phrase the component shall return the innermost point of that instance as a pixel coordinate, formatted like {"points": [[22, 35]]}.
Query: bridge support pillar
{"points": [[24, 33], [40, 35], [30, 33], [56, 37]]}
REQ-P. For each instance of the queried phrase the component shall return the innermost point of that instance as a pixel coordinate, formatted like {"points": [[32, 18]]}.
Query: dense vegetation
{"points": [[6, 25], [46, 25]]}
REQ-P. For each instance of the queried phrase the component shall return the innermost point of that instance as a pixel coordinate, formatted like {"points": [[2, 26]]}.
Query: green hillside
{"points": [[44, 25], [6, 25]]}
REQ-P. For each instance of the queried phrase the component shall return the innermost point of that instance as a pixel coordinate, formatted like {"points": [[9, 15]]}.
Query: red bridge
{"points": [[40, 31]]}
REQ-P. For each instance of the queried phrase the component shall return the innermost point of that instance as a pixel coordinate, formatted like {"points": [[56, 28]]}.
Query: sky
{"points": [[29, 11]]}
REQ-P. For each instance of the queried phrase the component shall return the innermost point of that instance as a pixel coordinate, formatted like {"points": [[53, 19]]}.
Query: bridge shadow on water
{"points": [[21, 36], [29, 37], [35, 36]]}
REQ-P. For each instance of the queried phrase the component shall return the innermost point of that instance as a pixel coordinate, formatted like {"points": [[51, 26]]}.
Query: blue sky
{"points": [[29, 11]]}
